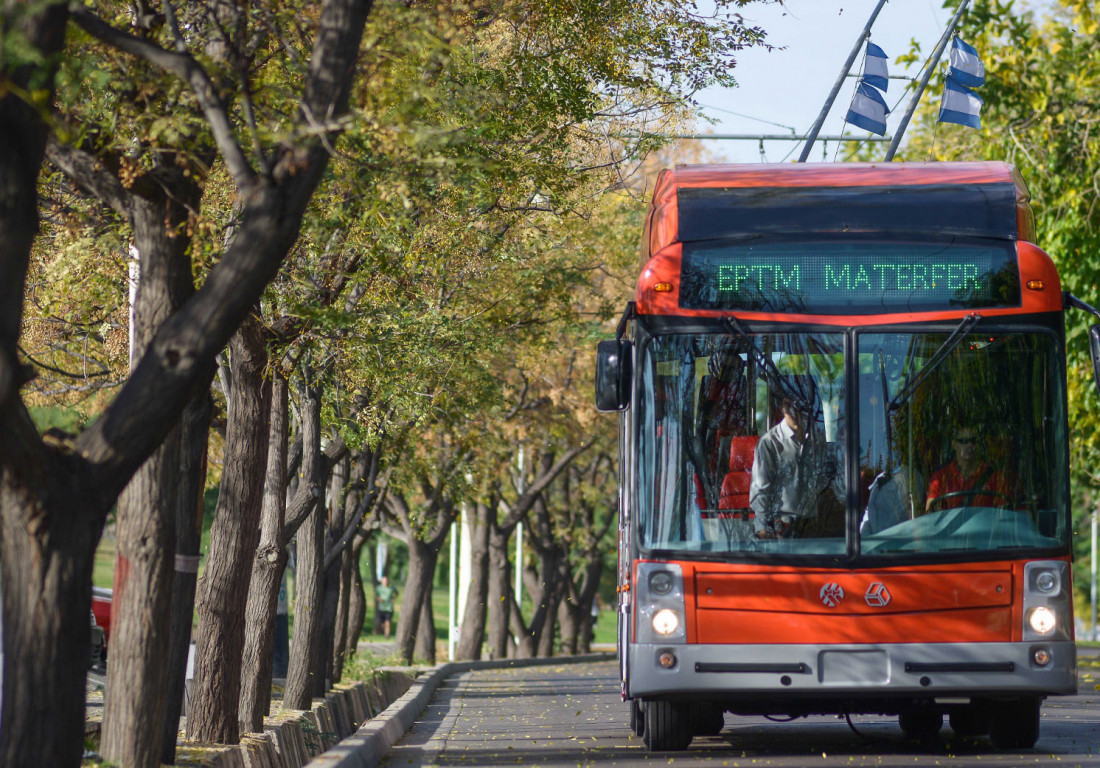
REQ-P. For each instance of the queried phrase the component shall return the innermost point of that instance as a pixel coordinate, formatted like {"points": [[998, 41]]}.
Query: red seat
{"points": [[735, 485]]}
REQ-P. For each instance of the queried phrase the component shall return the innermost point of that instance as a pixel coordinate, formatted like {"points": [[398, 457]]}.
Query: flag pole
{"points": [[900, 131], [811, 137]]}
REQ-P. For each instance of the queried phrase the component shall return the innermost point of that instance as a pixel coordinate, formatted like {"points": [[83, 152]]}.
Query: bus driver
{"points": [[968, 481]]}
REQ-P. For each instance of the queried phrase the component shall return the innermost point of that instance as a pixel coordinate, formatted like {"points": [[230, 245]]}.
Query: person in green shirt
{"points": [[383, 600]]}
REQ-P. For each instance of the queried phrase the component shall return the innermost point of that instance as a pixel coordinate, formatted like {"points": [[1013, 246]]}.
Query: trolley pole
{"points": [[811, 137], [924, 80]]}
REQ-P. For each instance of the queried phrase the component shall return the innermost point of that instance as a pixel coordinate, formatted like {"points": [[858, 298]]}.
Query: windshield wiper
{"points": [[953, 340], [770, 371]]}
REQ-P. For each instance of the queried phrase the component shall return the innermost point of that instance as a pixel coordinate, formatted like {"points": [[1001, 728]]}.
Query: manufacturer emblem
{"points": [[877, 595], [831, 594]]}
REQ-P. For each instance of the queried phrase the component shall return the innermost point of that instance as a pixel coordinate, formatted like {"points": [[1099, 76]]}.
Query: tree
{"points": [[156, 202], [55, 494]]}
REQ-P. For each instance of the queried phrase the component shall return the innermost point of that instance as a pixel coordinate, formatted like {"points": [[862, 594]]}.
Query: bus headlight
{"points": [[1048, 612], [665, 622], [659, 604], [1042, 620], [661, 582], [1046, 581]]}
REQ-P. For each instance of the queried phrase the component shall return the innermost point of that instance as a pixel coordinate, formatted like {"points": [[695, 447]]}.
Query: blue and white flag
{"points": [[875, 71], [960, 104], [966, 67], [868, 110]]}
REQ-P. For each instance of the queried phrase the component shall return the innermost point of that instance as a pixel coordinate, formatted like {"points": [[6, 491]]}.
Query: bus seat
{"points": [[735, 485]]}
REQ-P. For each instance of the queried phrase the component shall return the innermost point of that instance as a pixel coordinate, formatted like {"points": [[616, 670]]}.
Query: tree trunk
{"points": [[46, 567], [212, 716], [543, 585], [267, 573], [134, 703], [500, 591], [422, 561], [575, 614], [357, 599], [343, 607], [326, 639], [309, 591], [569, 628], [472, 633], [49, 523], [526, 642], [194, 434], [553, 590], [425, 631], [334, 528], [134, 706]]}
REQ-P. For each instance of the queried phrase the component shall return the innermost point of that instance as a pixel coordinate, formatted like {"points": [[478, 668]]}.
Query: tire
{"points": [[708, 719], [668, 726], [637, 718], [974, 720], [920, 724], [1015, 724]]}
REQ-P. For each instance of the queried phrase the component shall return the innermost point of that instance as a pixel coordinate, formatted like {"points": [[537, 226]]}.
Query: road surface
{"points": [[570, 715]]}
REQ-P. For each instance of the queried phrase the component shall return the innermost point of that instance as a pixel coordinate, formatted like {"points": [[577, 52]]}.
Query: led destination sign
{"points": [[837, 278]]}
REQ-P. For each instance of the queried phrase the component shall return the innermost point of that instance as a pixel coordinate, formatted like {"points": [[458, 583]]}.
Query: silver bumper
{"points": [[830, 671]]}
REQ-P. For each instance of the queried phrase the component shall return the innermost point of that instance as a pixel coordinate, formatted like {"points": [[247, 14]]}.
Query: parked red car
{"points": [[101, 607]]}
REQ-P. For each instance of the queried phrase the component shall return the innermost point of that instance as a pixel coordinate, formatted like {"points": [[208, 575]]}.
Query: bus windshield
{"points": [[973, 456], [781, 444]]}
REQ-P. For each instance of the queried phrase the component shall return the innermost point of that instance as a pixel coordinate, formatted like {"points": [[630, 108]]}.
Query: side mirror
{"points": [[614, 361], [1094, 351]]}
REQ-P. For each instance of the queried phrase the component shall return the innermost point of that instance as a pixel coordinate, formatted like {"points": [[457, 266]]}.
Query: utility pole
{"points": [[452, 587], [519, 536], [1092, 563], [812, 136], [900, 131]]}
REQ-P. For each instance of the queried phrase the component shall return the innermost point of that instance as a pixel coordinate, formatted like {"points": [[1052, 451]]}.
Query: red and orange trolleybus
{"points": [[904, 311]]}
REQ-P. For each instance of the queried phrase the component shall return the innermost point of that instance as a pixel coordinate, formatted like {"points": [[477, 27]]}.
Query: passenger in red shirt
{"points": [[968, 475]]}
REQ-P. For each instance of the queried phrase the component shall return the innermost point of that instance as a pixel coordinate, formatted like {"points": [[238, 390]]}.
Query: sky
{"points": [[785, 89]]}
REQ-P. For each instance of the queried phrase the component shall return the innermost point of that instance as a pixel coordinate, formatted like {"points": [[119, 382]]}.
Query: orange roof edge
{"points": [[837, 174], [662, 222]]}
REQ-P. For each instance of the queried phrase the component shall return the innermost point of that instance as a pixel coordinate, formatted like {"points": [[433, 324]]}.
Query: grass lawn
{"points": [[103, 568]]}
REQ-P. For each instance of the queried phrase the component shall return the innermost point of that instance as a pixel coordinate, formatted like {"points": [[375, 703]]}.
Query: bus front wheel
{"points": [[1015, 723], [668, 726], [709, 719]]}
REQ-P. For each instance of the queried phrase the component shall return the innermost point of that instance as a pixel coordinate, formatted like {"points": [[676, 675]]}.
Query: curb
{"points": [[369, 745]]}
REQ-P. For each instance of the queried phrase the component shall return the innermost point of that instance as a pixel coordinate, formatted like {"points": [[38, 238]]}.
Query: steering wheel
{"points": [[939, 501]]}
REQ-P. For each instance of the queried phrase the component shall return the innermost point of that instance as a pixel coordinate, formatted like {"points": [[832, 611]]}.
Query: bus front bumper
{"points": [[913, 670]]}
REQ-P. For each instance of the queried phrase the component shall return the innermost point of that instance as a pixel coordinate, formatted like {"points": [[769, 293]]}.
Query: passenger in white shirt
{"points": [[792, 472]]}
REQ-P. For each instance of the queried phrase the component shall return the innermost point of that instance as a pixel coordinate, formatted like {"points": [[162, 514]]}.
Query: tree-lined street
{"points": [[339, 267]]}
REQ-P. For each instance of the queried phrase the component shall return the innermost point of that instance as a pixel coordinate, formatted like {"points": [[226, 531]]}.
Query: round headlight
{"points": [[660, 583], [666, 621], [1042, 620], [1046, 581]]}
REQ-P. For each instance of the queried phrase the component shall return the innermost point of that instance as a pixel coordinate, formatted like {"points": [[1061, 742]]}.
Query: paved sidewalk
{"points": [[531, 715]]}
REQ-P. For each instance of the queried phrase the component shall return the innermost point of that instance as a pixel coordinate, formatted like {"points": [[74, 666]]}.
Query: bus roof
{"points": [[708, 209], [702, 202]]}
